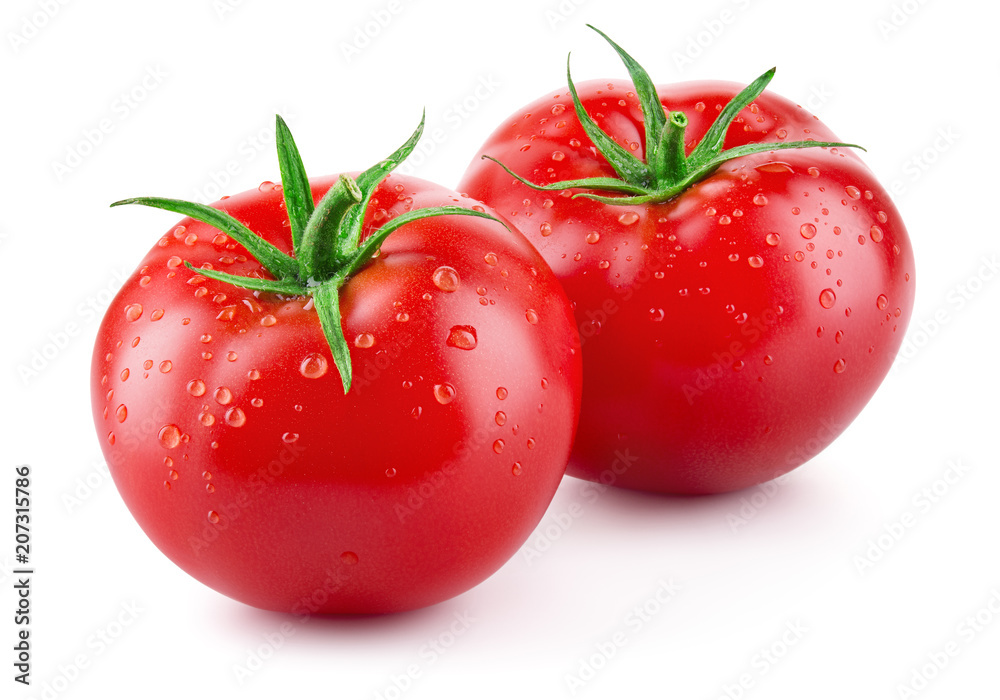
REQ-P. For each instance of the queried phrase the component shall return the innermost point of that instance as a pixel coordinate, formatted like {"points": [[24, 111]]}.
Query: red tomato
{"points": [[228, 433], [731, 330]]}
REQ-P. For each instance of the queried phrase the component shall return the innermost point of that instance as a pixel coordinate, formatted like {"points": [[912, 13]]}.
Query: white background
{"points": [[190, 85]]}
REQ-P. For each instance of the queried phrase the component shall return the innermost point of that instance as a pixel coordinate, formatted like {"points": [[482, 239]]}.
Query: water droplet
{"points": [[490, 258], [268, 321], [516, 469], [498, 446], [545, 229], [462, 337], [156, 315], [444, 393], [827, 298], [558, 108], [256, 403], [768, 360], [760, 200], [501, 393], [882, 301], [174, 476], [531, 443], [209, 488], [124, 374], [133, 312], [446, 279], [853, 192], [206, 418], [290, 437], [313, 366], [840, 365], [223, 395], [232, 356], [755, 261], [349, 558], [364, 340], [861, 240], [558, 155], [213, 517], [656, 315], [838, 337], [253, 375], [196, 387], [169, 436], [738, 365], [593, 237], [807, 230], [628, 218], [725, 220], [121, 414], [416, 412], [772, 239], [604, 264], [734, 257], [236, 417], [148, 364], [500, 418], [876, 234], [390, 472], [532, 316]]}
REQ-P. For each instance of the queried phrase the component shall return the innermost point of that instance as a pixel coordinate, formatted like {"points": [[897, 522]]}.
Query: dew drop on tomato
{"points": [[133, 312], [827, 298], [196, 387], [349, 558], [169, 436], [444, 393], [446, 279], [462, 337], [313, 366]]}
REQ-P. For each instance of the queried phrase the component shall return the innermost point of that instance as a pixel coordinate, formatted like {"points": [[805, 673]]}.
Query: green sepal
{"points": [[627, 166], [711, 144], [326, 299], [279, 264], [371, 245], [369, 180], [600, 183], [654, 115], [285, 287], [294, 181]]}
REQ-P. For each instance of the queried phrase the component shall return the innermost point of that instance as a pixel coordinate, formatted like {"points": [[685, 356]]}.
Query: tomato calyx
{"points": [[667, 170], [326, 237]]}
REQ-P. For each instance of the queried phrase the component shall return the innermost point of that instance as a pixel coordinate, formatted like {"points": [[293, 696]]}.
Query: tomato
{"points": [[737, 308], [223, 415]]}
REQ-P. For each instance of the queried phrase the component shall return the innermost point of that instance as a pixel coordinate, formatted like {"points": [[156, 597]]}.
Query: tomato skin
{"points": [[710, 363], [278, 490]]}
